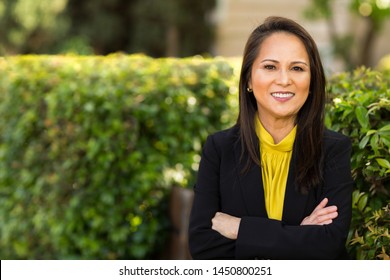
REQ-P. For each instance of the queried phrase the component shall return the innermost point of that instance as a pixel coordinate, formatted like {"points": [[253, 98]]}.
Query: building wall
{"points": [[236, 19]]}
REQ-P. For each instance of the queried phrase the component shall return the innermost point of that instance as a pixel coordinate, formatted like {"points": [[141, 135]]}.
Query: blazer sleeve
{"points": [[205, 243], [272, 239]]}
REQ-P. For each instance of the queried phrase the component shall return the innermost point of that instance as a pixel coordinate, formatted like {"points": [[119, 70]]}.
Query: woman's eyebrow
{"points": [[269, 60], [276, 61], [299, 62]]}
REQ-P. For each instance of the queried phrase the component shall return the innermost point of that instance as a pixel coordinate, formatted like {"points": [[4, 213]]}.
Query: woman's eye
{"points": [[297, 68], [269, 67]]}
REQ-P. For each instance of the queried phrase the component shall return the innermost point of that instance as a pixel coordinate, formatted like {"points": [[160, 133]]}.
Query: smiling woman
{"points": [[277, 185]]}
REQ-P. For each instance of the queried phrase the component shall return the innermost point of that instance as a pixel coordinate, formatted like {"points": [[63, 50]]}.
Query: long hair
{"points": [[308, 145]]}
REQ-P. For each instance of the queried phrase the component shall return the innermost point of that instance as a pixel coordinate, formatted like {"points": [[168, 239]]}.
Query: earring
{"points": [[249, 89]]}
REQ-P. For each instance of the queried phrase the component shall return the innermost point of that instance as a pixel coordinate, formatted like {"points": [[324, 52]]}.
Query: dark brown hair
{"points": [[310, 119]]}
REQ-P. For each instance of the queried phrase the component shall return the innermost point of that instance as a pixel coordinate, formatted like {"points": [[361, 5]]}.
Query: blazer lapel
{"points": [[294, 201], [251, 186]]}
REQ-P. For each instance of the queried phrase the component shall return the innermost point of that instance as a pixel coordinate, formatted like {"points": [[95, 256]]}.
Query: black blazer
{"points": [[222, 187]]}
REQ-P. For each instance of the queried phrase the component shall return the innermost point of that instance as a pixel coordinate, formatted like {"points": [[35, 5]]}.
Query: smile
{"points": [[282, 94]]}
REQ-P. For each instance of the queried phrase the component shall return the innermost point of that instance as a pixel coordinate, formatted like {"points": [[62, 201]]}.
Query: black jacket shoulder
{"points": [[232, 135]]}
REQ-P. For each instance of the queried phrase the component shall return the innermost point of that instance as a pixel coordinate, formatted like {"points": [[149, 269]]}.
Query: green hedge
{"points": [[89, 147], [360, 108]]}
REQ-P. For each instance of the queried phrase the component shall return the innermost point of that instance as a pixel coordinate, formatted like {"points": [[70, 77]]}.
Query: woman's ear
{"points": [[249, 88]]}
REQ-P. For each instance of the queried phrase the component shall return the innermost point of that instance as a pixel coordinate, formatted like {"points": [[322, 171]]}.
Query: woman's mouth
{"points": [[282, 96]]}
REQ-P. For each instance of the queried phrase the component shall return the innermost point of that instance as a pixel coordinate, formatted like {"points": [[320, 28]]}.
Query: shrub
{"points": [[360, 108], [90, 145], [370, 238]]}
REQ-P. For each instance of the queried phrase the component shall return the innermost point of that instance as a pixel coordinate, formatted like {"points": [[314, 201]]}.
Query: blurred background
{"points": [[349, 33]]}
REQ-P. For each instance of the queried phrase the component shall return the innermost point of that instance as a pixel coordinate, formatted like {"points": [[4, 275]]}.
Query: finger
{"points": [[330, 219], [322, 204], [305, 221], [323, 218], [327, 222], [326, 210], [330, 216]]}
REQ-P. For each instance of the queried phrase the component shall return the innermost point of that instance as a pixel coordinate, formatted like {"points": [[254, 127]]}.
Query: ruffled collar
{"points": [[267, 142]]}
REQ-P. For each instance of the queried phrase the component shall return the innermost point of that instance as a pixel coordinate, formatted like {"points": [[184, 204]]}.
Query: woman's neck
{"points": [[277, 128]]}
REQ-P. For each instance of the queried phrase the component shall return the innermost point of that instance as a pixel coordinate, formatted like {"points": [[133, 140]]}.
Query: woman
{"points": [[278, 184]]}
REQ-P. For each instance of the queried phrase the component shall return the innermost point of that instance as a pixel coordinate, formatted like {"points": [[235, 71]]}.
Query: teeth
{"points": [[282, 95]]}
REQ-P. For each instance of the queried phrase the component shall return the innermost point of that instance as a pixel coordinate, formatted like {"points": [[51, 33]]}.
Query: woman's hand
{"points": [[321, 215], [226, 225]]}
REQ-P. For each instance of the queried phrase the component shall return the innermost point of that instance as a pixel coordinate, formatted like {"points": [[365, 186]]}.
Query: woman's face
{"points": [[280, 77]]}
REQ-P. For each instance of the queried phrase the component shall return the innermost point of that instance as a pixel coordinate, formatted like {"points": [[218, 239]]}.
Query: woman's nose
{"points": [[283, 78]]}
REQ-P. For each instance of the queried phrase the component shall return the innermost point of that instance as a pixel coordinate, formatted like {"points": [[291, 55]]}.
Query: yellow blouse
{"points": [[275, 163]]}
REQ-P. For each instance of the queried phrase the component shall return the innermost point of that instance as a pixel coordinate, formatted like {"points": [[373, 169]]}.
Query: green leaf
{"points": [[371, 131], [386, 141], [356, 195], [364, 141], [385, 128], [374, 143], [362, 116], [362, 202], [383, 162], [384, 131]]}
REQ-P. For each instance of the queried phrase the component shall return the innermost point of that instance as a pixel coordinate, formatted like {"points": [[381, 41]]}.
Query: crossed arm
{"points": [[228, 225]]}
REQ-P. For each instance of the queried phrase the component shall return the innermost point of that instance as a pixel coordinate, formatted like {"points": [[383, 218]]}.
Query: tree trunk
{"points": [[179, 208], [367, 44]]}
